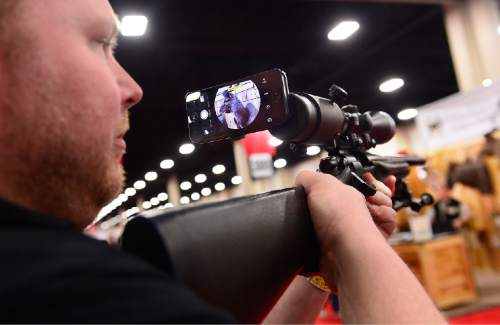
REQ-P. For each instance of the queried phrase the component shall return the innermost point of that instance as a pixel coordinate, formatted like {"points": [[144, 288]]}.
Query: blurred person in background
{"points": [[447, 214]]}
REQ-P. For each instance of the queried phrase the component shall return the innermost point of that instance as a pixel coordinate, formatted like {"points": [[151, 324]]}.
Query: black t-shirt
{"points": [[51, 273]]}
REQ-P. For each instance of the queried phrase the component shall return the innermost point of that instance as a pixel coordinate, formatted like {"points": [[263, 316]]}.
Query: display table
{"points": [[443, 268]]}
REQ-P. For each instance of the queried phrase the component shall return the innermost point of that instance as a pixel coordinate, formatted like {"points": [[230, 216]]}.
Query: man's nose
{"points": [[131, 92]]}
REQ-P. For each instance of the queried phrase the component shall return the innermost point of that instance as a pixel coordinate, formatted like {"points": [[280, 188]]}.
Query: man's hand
{"points": [[339, 211], [302, 302], [380, 205], [374, 284]]}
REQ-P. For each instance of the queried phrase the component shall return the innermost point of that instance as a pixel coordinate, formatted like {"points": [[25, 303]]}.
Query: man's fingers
{"points": [[380, 199], [390, 182], [382, 213], [308, 179], [384, 217], [368, 177]]}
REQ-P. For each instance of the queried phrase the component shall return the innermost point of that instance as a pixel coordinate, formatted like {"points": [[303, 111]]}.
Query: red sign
{"points": [[258, 143]]}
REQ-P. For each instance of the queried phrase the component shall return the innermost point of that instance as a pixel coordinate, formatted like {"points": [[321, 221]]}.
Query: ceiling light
{"points": [[280, 163], [237, 180], [151, 176], [130, 212], [498, 29], [154, 201], [275, 142], [313, 150], [343, 31], [132, 26], [195, 196], [200, 178], [184, 200], [220, 187], [219, 169], [185, 186], [140, 185], [146, 205], [167, 164], [391, 85], [114, 204], [123, 197], [206, 191], [487, 82], [407, 114], [130, 192], [162, 197], [104, 212], [186, 149]]}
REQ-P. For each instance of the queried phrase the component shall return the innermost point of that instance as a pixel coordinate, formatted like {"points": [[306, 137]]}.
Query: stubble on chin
{"points": [[70, 182], [58, 170]]}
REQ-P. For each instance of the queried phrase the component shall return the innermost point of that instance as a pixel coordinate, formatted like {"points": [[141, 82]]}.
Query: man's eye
{"points": [[108, 45]]}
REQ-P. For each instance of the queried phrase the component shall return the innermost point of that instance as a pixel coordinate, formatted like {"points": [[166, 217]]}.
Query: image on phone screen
{"points": [[238, 105]]}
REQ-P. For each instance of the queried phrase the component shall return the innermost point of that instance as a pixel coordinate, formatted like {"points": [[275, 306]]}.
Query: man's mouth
{"points": [[121, 145], [119, 142]]}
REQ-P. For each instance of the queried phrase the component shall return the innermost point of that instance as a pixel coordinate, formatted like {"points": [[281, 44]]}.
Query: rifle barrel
{"points": [[410, 160]]}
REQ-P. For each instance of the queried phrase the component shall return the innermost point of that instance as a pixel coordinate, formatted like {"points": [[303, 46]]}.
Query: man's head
{"points": [[64, 104]]}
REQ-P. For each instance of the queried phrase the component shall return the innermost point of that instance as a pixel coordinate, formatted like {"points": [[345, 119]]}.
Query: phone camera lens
{"points": [[204, 114]]}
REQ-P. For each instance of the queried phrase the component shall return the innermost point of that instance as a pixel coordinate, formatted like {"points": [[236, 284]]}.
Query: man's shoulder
{"points": [[38, 253], [27, 237], [89, 279]]}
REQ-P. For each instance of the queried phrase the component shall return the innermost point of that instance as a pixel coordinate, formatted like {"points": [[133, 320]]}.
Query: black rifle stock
{"points": [[239, 254]]}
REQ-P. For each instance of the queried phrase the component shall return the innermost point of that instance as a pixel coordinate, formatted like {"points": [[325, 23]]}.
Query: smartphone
{"points": [[233, 109]]}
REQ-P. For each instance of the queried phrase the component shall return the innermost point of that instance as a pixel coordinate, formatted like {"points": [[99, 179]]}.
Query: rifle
{"points": [[241, 254]]}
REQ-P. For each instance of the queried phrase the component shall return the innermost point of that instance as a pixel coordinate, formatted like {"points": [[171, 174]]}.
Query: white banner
{"points": [[458, 118]]}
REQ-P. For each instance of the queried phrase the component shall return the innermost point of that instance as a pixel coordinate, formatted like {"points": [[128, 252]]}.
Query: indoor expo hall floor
{"points": [[485, 310], [488, 291]]}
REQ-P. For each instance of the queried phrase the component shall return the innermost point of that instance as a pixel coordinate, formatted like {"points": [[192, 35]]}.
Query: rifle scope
{"points": [[320, 121]]}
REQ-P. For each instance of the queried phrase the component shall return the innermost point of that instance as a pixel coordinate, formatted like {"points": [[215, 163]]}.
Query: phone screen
{"points": [[239, 107]]}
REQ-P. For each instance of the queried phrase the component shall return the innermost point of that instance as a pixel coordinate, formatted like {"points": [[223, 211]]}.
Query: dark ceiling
{"points": [[196, 44]]}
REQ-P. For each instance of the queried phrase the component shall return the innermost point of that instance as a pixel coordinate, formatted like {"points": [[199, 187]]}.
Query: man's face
{"points": [[64, 104]]}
